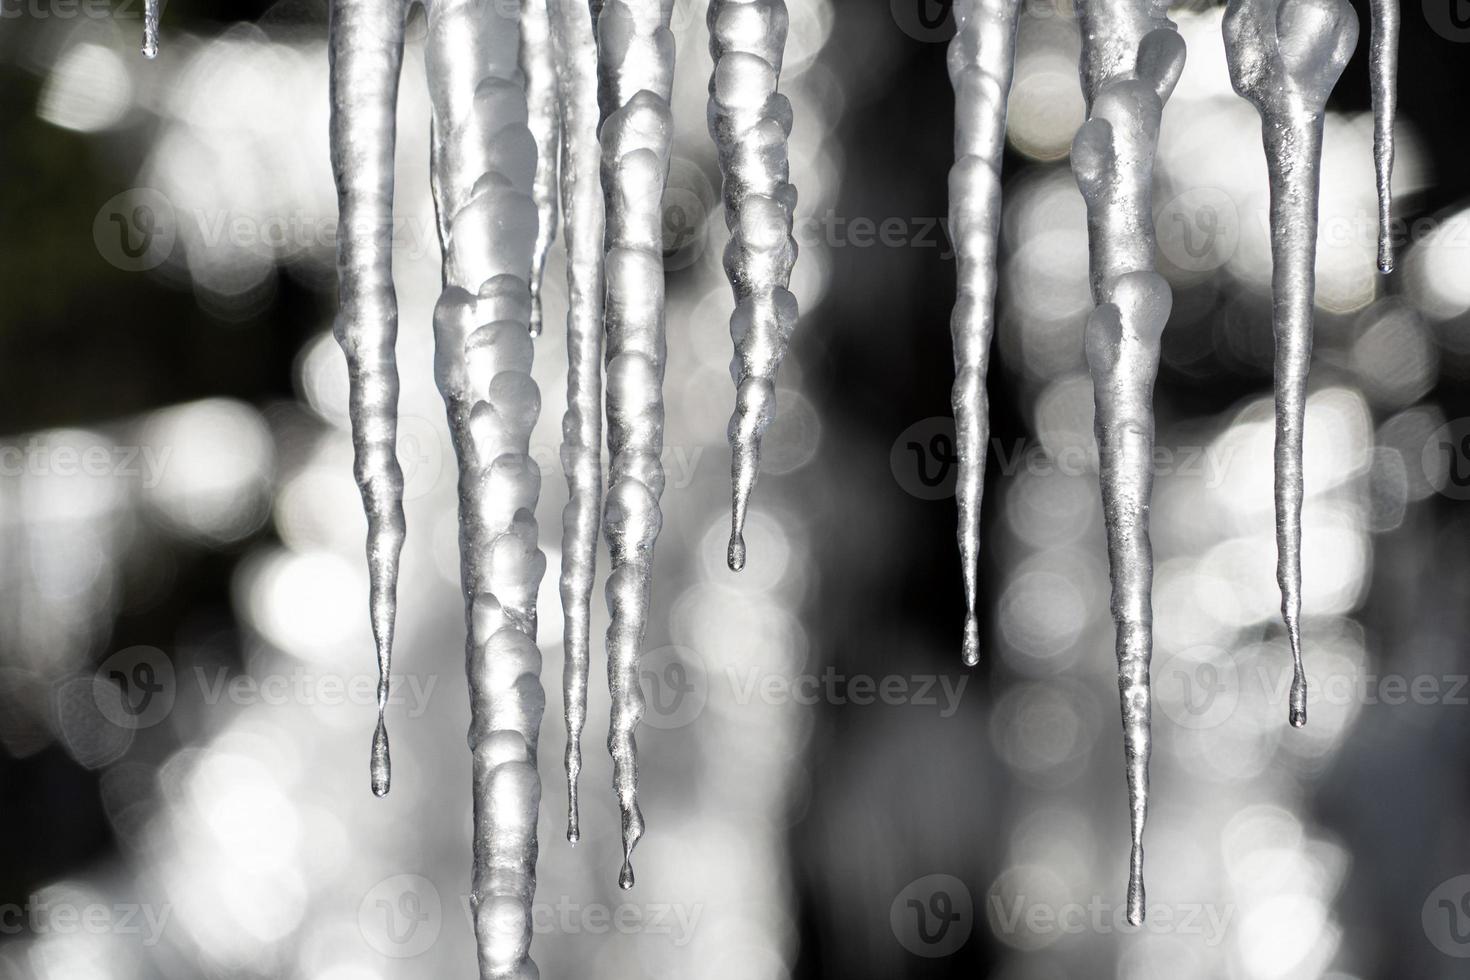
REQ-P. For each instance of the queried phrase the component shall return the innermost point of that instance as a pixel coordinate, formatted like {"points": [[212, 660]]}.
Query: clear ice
{"points": [[366, 54], [1132, 58], [538, 64], [1285, 56], [636, 75], [584, 219], [151, 11], [751, 123], [1383, 67], [982, 60]]}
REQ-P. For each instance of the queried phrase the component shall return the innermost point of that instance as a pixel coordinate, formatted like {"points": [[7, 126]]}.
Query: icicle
{"points": [[539, 67], [150, 28], [366, 53], [484, 162], [982, 59], [636, 74], [1383, 64], [1285, 56], [1131, 59], [581, 453], [750, 124]]}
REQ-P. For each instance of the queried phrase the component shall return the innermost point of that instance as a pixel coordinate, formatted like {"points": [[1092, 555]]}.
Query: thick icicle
{"points": [[1285, 56], [151, 11], [366, 53], [1383, 65], [1132, 58], [581, 451], [539, 66], [982, 59], [750, 123], [484, 160], [636, 74]]}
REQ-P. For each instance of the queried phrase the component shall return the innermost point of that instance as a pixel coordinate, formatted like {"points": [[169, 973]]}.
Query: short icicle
{"points": [[151, 12], [1285, 56], [1383, 67], [538, 64], [366, 54], [636, 74], [751, 123], [1132, 58], [581, 452], [982, 59], [484, 161]]}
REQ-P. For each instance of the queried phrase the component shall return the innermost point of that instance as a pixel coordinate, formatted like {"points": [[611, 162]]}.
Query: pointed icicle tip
{"points": [[972, 640], [1137, 907], [382, 765], [1298, 706], [736, 556], [625, 877], [150, 29]]}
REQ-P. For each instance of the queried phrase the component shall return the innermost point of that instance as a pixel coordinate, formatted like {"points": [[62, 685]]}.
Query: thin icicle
{"points": [[366, 54], [151, 11], [539, 66], [1285, 56], [484, 161], [982, 60], [750, 123], [581, 451], [636, 74], [1383, 65], [1113, 158]]}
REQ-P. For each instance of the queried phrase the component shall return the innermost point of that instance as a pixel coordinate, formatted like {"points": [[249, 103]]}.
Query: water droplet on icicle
{"points": [[982, 62], [1285, 56]]}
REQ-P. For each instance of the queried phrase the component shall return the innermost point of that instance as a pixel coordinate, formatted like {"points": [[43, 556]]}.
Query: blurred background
{"points": [[186, 672]]}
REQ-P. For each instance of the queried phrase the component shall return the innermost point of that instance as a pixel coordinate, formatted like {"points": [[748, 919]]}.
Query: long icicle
{"points": [[484, 159], [1383, 66], [751, 123], [1112, 158], [151, 11], [581, 452], [538, 64], [366, 54], [982, 60], [636, 74], [1285, 56]]}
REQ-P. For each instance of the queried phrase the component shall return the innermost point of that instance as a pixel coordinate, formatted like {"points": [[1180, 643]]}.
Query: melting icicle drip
{"points": [[539, 67], [1285, 56], [581, 453], [484, 160], [636, 74], [1383, 66], [151, 13], [982, 59], [366, 54], [751, 123], [1132, 58]]}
